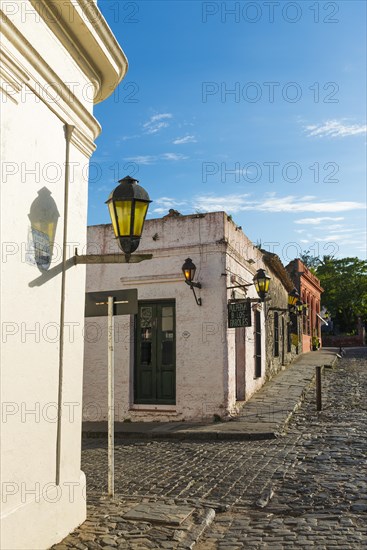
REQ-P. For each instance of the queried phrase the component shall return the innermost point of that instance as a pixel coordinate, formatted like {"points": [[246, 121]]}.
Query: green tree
{"points": [[345, 290], [310, 261]]}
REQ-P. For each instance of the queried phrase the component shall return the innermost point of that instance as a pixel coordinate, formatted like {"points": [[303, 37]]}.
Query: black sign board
{"points": [[96, 302], [239, 314]]}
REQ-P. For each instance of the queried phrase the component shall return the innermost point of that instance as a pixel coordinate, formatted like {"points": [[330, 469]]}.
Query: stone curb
{"points": [[189, 434], [198, 531], [185, 436]]}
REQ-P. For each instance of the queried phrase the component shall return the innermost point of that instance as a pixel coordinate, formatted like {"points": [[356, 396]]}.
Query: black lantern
{"points": [[128, 206], [293, 298], [299, 306], [261, 282], [189, 270]]}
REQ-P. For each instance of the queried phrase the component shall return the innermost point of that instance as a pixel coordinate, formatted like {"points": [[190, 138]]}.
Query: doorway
{"points": [[155, 353]]}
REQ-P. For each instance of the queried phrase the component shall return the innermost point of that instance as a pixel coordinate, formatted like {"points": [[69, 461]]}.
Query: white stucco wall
{"points": [[42, 499], [243, 260], [205, 348]]}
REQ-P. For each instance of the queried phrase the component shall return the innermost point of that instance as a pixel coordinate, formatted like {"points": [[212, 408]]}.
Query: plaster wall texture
{"points": [[205, 349], [36, 511], [243, 260]]}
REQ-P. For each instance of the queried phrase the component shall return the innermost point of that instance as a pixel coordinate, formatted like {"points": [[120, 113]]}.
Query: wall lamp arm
{"points": [[196, 285], [193, 286]]}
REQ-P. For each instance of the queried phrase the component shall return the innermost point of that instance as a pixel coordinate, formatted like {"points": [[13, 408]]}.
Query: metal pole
{"points": [[111, 400], [318, 389], [68, 129]]}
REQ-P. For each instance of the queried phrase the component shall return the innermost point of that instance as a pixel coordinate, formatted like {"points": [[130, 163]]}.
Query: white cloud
{"points": [[156, 123], [125, 138], [317, 221], [335, 128], [185, 139], [163, 204], [228, 203], [143, 159], [151, 159], [173, 156], [290, 204]]}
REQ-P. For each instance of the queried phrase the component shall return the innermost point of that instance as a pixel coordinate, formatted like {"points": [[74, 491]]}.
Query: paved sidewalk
{"points": [[264, 416]]}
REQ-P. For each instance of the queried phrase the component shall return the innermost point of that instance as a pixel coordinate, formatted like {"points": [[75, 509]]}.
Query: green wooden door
{"points": [[155, 357]]}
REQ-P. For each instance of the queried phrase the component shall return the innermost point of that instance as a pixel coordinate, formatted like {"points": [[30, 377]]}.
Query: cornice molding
{"points": [[52, 18], [12, 78], [23, 66], [82, 29]]}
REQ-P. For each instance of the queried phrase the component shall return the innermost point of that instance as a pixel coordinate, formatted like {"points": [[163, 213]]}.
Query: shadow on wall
{"points": [[43, 216]]}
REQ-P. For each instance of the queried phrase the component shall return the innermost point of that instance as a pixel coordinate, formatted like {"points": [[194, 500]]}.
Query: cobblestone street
{"points": [[305, 488]]}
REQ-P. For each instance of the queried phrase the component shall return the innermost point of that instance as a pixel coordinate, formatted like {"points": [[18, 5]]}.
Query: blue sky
{"points": [[255, 108]]}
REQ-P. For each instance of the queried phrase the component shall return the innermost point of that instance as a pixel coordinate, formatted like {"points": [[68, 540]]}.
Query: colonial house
{"points": [[177, 359], [283, 327], [309, 290], [57, 60]]}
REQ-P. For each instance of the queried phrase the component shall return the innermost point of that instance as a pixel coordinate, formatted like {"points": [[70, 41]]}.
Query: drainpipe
{"points": [[68, 129]]}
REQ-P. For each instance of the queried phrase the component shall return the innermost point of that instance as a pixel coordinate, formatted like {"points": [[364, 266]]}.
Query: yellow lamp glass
{"points": [[187, 274], [262, 285], [293, 298], [121, 217], [139, 217]]}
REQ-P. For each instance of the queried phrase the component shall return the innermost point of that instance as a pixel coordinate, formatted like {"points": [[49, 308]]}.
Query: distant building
{"points": [[310, 290], [283, 328], [176, 360], [57, 60]]}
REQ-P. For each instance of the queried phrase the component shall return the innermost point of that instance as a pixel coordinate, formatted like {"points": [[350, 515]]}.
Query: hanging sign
{"points": [[239, 314]]}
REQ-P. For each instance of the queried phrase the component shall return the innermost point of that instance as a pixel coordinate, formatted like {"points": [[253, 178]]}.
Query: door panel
{"points": [[155, 365]]}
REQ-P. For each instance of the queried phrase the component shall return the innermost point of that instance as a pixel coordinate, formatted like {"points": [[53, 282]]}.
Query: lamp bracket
{"points": [[198, 300], [117, 258], [257, 300], [191, 284], [244, 286]]}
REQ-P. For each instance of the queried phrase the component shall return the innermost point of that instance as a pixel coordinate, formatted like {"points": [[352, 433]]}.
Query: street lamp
{"points": [[299, 306], [128, 205], [261, 281], [189, 270], [293, 298]]}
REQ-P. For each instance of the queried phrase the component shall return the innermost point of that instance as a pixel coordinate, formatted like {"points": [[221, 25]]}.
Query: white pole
{"points": [[111, 400]]}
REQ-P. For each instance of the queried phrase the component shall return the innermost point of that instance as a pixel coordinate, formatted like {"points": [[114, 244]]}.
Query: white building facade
{"points": [[176, 360], [57, 60]]}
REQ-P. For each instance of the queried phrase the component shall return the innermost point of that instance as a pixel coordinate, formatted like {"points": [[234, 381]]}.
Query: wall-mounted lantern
{"points": [[261, 282], [189, 270], [128, 205], [293, 298], [299, 306]]}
